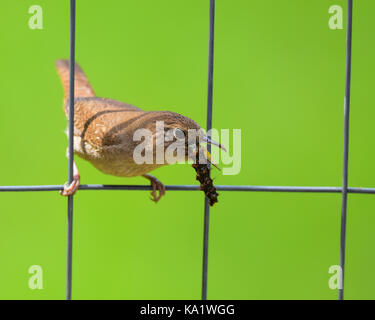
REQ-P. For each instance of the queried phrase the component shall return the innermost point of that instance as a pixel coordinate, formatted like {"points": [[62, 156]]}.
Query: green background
{"points": [[279, 76]]}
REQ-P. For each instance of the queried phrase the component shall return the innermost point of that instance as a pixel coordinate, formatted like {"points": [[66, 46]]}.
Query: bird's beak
{"points": [[210, 141], [207, 154]]}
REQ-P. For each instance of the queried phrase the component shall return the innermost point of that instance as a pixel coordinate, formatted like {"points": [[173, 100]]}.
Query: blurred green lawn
{"points": [[279, 76]]}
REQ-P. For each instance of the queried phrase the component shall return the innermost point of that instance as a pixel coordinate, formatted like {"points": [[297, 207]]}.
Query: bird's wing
{"points": [[101, 122], [82, 87]]}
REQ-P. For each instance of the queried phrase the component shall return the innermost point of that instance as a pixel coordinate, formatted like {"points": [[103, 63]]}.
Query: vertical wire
{"points": [[71, 150], [346, 145], [209, 127]]}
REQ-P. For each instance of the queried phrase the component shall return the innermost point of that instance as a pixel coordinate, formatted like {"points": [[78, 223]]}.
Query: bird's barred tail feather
{"points": [[82, 87]]}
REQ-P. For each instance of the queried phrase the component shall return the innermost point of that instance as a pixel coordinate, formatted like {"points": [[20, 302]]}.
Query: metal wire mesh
{"points": [[346, 144], [71, 149], [344, 190], [206, 224]]}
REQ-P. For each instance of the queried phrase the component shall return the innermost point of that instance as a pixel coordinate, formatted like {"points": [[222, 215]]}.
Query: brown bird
{"points": [[104, 132]]}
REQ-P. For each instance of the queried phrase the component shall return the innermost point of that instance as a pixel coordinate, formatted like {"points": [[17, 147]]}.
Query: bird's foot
{"points": [[156, 186], [70, 189]]}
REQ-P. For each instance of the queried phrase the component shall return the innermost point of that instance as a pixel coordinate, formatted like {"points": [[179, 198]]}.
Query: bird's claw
{"points": [[71, 189], [157, 186]]}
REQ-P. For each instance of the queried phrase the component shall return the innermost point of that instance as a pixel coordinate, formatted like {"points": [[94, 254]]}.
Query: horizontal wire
{"points": [[190, 188]]}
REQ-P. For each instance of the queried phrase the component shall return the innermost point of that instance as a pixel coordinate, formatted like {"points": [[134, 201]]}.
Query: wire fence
{"points": [[344, 189]]}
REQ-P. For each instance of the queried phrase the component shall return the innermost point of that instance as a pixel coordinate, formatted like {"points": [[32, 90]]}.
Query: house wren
{"points": [[104, 131]]}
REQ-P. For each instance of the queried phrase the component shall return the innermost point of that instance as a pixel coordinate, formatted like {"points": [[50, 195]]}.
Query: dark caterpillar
{"points": [[206, 182]]}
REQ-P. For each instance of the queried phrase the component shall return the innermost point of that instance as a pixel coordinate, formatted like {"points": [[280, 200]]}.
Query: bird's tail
{"points": [[82, 87]]}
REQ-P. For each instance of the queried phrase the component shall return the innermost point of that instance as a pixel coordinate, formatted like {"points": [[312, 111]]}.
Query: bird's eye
{"points": [[179, 134]]}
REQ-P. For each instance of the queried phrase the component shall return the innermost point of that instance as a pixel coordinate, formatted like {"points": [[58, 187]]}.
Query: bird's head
{"points": [[185, 133]]}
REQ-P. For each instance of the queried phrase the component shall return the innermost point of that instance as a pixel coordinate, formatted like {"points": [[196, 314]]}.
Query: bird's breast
{"points": [[115, 160]]}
